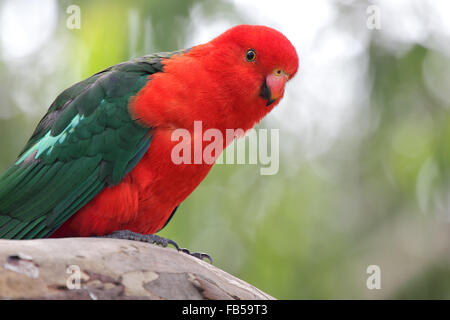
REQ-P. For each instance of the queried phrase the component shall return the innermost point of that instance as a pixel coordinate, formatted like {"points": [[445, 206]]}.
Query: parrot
{"points": [[99, 162]]}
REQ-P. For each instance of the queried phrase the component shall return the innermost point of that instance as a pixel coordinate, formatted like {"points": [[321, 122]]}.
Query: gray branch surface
{"points": [[100, 268]]}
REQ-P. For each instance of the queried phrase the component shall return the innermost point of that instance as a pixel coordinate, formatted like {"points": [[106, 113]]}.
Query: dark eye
{"points": [[250, 56]]}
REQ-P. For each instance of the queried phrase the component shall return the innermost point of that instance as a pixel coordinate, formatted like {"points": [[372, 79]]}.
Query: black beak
{"points": [[266, 94]]}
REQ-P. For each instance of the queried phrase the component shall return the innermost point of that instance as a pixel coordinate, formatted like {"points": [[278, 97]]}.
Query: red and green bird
{"points": [[99, 162]]}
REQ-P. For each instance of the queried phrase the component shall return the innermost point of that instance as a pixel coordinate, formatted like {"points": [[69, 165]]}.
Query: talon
{"points": [[197, 255], [202, 256], [173, 243], [184, 250]]}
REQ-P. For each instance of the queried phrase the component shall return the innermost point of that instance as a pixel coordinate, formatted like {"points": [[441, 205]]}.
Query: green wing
{"points": [[86, 142]]}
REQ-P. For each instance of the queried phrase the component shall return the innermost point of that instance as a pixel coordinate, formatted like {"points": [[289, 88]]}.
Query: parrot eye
{"points": [[250, 56]]}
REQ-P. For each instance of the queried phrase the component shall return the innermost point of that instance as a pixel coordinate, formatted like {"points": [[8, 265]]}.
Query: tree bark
{"points": [[100, 268]]}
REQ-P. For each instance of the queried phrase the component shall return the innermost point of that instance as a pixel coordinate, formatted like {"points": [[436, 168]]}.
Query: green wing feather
{"points": [[86, 142]]}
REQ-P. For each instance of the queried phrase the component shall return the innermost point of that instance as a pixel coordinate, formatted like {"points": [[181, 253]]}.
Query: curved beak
{"points": [[273, 86]]}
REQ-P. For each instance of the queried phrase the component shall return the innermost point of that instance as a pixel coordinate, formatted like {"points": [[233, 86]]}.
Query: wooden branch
{"points": [[98, 268]]}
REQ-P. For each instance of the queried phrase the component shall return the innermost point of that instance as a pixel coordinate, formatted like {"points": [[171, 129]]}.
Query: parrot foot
{"points": [[154, 239], [149, 238]]}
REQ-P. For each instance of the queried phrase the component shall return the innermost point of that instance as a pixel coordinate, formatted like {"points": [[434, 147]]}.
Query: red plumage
{"points": [[213, 83]]}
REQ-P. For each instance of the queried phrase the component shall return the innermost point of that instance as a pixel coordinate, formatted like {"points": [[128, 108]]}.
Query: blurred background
{"points": [[364, 174]]}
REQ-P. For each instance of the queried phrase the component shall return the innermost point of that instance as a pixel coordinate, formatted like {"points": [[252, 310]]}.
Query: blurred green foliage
{"points": [[311, 230]]}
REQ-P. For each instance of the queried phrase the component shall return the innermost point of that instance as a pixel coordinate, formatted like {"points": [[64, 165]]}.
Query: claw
{"points": [[202, 256], [173, 243], [198, 255]]}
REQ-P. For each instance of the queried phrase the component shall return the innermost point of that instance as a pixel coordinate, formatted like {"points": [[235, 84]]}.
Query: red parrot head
{"points": [[233, 81], [262, 56]]}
